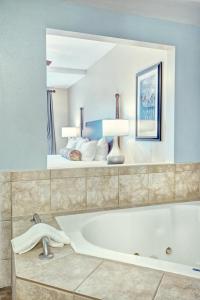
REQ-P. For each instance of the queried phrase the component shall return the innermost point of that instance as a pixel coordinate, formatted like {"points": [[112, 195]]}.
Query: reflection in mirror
{"points": [[92, 82]]}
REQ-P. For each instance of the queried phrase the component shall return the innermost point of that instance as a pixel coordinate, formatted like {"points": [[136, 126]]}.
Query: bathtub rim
{"points": [[82, 246]]}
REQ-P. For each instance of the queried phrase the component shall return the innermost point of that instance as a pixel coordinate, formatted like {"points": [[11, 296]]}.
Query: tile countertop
{"points": [[101, 279]]}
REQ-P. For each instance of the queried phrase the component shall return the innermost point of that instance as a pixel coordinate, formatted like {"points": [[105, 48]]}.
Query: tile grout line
{"points": [[101, 262], [159, 283]]}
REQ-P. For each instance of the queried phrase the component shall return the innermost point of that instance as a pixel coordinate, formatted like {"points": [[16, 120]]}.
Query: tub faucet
{"points": [[46, 254]]}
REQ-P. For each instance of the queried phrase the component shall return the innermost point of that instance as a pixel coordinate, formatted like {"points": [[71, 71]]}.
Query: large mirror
{"points": [[109, 101]]}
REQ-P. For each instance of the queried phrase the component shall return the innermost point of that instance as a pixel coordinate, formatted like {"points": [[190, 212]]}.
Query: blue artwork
{"points": [[147, 98], [148, 103]]}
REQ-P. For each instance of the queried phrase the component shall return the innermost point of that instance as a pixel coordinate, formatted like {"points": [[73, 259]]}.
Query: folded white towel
{"points": [[32, 236]]}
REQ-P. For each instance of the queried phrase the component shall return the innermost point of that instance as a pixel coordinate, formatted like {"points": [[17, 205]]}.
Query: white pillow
{"points": [[80, 142], [71, 143], [88, 150], [102, 150]]}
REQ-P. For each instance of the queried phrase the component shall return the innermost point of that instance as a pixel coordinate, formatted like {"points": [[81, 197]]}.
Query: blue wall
{"points": [[23, 72]]}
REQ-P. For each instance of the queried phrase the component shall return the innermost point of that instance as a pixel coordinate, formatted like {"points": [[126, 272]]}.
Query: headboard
{"points": [[94, 131]]}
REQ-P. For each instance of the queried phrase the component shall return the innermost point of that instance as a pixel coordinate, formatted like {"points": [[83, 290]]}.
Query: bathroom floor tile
{"points": [[174, 287], [113, 281]]}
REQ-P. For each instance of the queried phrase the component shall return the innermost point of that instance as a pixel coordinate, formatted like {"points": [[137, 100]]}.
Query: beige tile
{"points": [[68, 194], [5, 273], [5, 237], [131, 170], [163, 168], [4, 176], [65, 273], [29, 197], [29, 262], [6, 293], [187, 185], [187, 167], [120, 281], [175, 287], [26, 290], [5, 200], [65, 173], [102, 171], [161, 187], [133, 189], [30, 175], [102, 191], [78, 297]]}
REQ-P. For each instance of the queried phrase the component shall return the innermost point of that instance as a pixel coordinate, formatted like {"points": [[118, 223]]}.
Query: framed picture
{"points": [[148, 103]]}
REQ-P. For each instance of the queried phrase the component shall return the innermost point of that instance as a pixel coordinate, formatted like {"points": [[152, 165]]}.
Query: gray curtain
{"points": [[50, 125]]}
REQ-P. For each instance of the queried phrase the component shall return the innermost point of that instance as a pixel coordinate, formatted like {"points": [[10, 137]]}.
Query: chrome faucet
{"points": [[46, 254]]}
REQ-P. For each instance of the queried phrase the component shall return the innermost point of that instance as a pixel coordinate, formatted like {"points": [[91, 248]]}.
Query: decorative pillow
{"points": [[71, 143], [75, 155], [80, 142], [64, 152], [102, 150], [88, 150]]}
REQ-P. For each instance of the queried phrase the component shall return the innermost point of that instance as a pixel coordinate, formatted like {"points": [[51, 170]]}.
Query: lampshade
{"points": [[116, 127], [70, 131]]}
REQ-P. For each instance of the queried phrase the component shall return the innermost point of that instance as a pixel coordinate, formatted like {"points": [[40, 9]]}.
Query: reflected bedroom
{"points": [[109, 101]]}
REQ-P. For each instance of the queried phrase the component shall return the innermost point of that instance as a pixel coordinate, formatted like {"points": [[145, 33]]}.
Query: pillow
{"points": [[102, 150], [75, 155], [88, 150], [64, 152], [80, 142], [71, 143]]}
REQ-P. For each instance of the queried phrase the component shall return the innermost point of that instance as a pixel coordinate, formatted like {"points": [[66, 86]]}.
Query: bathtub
{"points": [[162, 237]]}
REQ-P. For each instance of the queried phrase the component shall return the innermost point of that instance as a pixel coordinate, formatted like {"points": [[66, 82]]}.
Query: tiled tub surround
{"points": [[69, 190], [5, 236], [71, 276]]}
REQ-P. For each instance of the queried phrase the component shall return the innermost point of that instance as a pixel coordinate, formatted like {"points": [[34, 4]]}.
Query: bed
{"points": [[93, 131], [59, 162]]}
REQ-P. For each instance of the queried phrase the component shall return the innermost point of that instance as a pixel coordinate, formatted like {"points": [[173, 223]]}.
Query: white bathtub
{"points": [[148, 231]]}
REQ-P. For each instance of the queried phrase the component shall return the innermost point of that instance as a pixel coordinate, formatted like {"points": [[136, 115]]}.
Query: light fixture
{"points": [[70, 131], [115, 128]]}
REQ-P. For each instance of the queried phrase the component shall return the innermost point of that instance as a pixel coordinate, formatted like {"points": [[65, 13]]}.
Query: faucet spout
{"points": [[46, 254]]}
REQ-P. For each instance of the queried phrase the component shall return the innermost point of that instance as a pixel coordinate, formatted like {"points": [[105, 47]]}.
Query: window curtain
{"points": [[50, 125]]}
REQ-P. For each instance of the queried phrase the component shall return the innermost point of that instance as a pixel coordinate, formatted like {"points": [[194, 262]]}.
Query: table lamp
{"points": [[115, 128], [70, 132]]}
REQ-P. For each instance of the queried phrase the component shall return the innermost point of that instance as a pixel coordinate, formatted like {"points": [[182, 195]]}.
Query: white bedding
{"points": [[59, 162]]}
